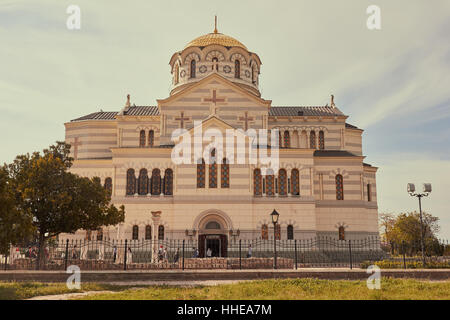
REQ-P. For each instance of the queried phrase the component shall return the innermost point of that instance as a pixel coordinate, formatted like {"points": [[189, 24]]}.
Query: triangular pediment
{"points": [[202, 93]]}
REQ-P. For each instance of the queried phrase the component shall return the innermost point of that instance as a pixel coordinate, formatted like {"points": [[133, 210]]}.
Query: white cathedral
{"points": [[322, 187]]}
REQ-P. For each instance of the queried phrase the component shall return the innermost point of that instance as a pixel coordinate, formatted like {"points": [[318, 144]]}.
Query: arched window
{"points": [[142, 138], [151, 138], [168, 182], [369, 193], [290, 232], [225, 174], [257, 182], [282, 182], [213, 225], [287, 139], [270, 184], [339, 187], [280, 142], [100, 234], [253, 74], [295, 182], [156, 182], [215, 64], [341, 233], [264, 232], [277, 231], [321, 140], [237, 69], [213, 170], [108, 185], [312, 139], [201, 173], [193, 66], [143, 182], [148, 232], [135, 235], [161, 232], [177, 72], [131, 182]]}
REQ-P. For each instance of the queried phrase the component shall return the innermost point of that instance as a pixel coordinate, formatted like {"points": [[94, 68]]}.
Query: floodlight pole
{"points": [[419, 196]]}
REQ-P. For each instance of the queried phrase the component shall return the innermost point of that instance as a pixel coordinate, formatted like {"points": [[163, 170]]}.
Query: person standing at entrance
{"points": [[208, 253], [249, 252]]}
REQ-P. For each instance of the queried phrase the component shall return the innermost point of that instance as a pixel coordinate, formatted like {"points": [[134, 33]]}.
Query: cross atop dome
{"points": [[215, 24]]}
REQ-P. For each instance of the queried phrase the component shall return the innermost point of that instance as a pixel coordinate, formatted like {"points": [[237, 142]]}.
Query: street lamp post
{"points": [[274, 215], [426, 192]]}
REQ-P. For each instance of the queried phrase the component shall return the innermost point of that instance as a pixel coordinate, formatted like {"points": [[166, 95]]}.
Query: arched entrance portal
{"points": [[212, 234]]}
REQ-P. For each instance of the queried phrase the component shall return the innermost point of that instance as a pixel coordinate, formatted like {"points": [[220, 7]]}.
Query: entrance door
{"points": [[213, 244]]}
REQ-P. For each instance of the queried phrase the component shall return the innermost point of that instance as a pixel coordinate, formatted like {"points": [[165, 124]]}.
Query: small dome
{"points": [[215, 38]]}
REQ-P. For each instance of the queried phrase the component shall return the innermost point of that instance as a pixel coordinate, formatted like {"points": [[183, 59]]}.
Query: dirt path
{"points": [[67, 296], [180, 284]]}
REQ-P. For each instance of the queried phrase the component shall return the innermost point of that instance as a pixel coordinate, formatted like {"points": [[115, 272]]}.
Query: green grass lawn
{"points": [[296, 289]]}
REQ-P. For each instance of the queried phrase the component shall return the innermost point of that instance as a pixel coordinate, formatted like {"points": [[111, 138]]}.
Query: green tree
{"points": [[15, 225], [59, 201]]}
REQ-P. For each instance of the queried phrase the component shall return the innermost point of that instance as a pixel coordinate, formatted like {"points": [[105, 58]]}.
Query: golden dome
{"points": [[215, 38]]}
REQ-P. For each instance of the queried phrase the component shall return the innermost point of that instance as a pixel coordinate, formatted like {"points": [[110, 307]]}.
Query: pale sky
{"points": [[394, 82]]}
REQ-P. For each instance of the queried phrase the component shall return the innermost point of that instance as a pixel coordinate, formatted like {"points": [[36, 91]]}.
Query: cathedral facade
{"points": [[321, 187]]}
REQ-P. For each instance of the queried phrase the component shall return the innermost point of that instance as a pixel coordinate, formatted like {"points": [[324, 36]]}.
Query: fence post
{"points": [[295, 247], [240, 255], [404, 258], [125, 255], [66, 256], [183, 254], [350, 252]]}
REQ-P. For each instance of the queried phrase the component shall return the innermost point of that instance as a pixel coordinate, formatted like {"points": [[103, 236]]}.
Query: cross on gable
{"points": [[181, 119], [214, 100], [75, 145], [246, 119]]}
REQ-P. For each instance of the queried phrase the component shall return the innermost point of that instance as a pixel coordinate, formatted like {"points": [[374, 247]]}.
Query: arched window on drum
{"points": [[237, 69], [193, 67]]}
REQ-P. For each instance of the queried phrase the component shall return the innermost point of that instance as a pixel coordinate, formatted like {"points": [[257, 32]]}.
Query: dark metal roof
{"points": [[350, 126], [274, 111], [333, 153], [131, 111], [142, 111], [305, 111], [102, 115]]}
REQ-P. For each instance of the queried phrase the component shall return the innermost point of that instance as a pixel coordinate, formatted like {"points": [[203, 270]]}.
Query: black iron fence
{"points": [[235, 254]]}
